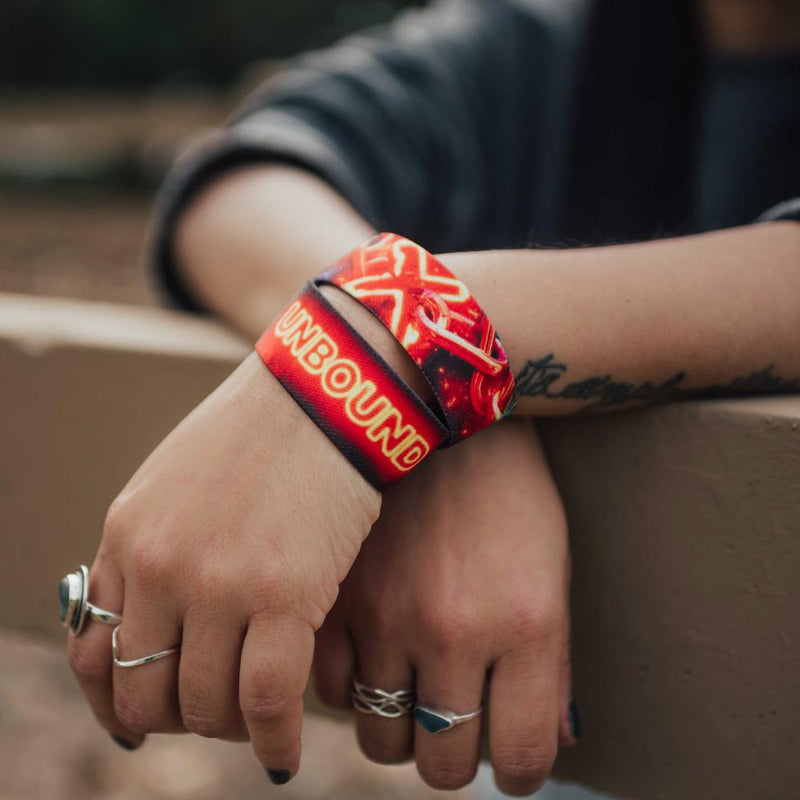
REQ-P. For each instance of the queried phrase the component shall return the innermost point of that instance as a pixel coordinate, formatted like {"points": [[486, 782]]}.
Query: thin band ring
{"points": [[101, 615], [390, 705], [138, 662], [74, 605], [436, 719]]}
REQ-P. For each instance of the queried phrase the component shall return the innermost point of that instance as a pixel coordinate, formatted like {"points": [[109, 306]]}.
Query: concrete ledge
{"points": [[685, 523]]}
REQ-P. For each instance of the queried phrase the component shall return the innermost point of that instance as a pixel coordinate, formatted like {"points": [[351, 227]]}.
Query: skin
{"points": [[213, 543], [720, 302], [245, 582], [229, 222], [434, 602], [716, 307]]}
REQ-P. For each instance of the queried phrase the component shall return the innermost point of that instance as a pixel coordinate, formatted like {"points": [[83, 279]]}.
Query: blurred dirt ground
{"points": [[51, 749], [70, 244]]}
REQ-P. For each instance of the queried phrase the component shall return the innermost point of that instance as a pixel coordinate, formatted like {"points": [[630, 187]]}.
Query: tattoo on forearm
{"points": [[545, 377]]}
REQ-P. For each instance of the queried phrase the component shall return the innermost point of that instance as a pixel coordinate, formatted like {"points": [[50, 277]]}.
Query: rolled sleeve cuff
{"points": [[788, 210], [269, 135]]}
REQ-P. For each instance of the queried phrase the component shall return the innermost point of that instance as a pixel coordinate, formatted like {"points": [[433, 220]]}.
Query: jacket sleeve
{"points": [[788, 210], [423, 126]]}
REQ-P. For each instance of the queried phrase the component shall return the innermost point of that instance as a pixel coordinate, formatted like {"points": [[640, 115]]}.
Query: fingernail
{"points": [[574, 720], [279, 776], [123, 743]]}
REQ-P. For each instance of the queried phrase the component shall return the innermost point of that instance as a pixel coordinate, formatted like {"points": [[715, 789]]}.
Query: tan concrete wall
{"points": [[685, 523]]}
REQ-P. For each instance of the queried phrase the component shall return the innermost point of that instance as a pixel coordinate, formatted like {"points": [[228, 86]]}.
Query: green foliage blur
{"points": [[142, 43]]}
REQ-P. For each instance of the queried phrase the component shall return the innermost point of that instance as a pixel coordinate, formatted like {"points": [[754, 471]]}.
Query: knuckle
{"points": [[444, 774], [270, 590], [537, 620], [87, 666], [132, 714], [207, 582], [149, 564], [524, 767], [383, 616], [115, 524], [449, 627], [264, 708]]}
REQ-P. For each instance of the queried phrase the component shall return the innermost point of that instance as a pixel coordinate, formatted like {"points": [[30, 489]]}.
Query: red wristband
{"points": [[377, 421], [439, 323]]}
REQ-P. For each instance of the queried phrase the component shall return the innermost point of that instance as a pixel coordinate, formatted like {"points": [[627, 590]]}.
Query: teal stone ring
{"points": [[437, 720], [73, 602]]}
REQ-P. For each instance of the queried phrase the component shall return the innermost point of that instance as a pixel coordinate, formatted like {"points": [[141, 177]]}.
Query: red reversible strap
{"points": [[375, 419], [434, 316]]}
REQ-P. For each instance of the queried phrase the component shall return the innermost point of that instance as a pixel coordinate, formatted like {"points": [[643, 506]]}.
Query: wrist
{"points": [[392, 357], [381, 339], [277, 408]]}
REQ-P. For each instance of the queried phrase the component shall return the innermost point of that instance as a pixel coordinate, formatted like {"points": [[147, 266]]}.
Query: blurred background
{"points": [[96, 100]]}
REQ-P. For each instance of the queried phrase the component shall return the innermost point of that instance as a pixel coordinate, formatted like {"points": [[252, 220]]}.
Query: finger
{"points": [[208, 678], [524, 718], [89, 653], [334, 665], [449, 759], [382, 665], [146, 696], [276, 661]]}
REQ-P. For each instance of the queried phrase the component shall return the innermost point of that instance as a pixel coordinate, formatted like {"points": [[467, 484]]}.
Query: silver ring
{"points": [[391, 705], [73, 602], [436, 720], [137, 662]]}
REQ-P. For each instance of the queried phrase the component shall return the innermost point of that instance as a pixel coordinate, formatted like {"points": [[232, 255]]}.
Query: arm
{"points": [[617, 326], [428, 127], [596, 328], [235, 533], [255, 222]]}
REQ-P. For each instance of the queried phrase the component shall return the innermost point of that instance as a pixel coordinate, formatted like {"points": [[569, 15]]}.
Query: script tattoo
{"points": [[545, 377]]}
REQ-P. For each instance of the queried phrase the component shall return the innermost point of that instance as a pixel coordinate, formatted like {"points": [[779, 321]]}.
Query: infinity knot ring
{"points": [[436, 720], [73, 602], [391, 705]]}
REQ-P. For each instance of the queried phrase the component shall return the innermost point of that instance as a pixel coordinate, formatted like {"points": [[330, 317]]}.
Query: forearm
{"points": [[617, 326], [598, 328], [252, 237]]}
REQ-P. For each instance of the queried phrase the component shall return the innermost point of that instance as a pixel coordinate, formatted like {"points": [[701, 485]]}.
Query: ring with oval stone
{"points": [[74, 606]]}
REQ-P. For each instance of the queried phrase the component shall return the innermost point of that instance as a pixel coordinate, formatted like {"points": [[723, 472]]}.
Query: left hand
{"points": [[464, 579], [230, 540]]}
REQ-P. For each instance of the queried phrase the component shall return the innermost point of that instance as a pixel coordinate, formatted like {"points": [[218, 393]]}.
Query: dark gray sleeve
{"points": [[424, 127], [789, 209]]}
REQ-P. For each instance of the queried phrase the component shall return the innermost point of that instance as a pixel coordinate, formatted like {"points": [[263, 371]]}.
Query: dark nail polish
{"points": [[279, 776], [574, 720], [123, 743]]}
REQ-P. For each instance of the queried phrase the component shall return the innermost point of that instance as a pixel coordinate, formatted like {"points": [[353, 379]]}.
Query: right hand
{"points": [[463, 582]]}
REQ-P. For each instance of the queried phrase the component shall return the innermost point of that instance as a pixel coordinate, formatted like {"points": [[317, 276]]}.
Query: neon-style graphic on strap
{"points": [[438, 322], [373, 417]]}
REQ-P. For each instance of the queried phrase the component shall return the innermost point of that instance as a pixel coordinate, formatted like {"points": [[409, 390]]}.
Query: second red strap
{"points": [[367, 411]]}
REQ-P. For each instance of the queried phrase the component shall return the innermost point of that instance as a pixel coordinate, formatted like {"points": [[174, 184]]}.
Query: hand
{"points": [[231, 539], [464, 579]]}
